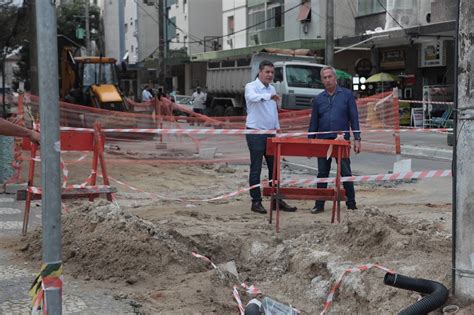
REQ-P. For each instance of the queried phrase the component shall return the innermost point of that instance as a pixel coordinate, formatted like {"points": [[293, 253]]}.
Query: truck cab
{"points": [[297, 83]]}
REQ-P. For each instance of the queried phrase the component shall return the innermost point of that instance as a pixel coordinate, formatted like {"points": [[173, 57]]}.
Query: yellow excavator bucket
{"points": [[106, 93]]}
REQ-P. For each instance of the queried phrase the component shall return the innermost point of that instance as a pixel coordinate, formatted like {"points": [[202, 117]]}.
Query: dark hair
{"points": [[265, 63]]}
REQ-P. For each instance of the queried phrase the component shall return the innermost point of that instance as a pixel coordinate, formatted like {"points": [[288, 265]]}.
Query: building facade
{"points": [[234, 23], [413, 40]]}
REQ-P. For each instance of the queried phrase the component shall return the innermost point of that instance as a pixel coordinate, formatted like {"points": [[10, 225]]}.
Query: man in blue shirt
{"points": [[335, 109], [262, 114]]}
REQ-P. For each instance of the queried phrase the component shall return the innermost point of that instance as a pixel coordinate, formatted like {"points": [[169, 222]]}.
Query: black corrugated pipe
{"points": [[437, 293]]}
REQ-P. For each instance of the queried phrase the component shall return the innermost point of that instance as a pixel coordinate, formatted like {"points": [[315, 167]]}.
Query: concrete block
{"points": [[13, 188], [402, 166], [207, 153]]}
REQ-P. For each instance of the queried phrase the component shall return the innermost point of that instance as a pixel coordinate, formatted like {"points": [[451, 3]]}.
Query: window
{"points": [[304, 76], [230, 24], [265, 16], [171, 28], [365, 7], [278, 76]]}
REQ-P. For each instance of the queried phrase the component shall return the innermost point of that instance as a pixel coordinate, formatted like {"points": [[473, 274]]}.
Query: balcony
{"points": [[276, 34]]}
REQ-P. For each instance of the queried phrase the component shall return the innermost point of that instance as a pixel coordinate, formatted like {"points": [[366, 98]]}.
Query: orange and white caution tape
{"points": [[205, 259], [310, 182], [253, 131], [427, 102], [250, 289], [90, 189], [337, 284], [371, 178], [236, 295]]}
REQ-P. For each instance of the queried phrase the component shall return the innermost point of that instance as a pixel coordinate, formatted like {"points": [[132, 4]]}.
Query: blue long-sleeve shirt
{"points": [[334, 113]]}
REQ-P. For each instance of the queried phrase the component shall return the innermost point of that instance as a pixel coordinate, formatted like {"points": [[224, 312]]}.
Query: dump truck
{"points": [[296, 79]]}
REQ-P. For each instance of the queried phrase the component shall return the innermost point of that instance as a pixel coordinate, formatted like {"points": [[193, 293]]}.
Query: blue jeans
{"points": [[324, 167], [258, 146]]}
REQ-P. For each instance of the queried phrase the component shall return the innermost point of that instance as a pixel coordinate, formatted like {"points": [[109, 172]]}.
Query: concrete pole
{"points": [[329, 52], [50, 146], [121, 29], [161, 43], [88, 29], [463, 224]]}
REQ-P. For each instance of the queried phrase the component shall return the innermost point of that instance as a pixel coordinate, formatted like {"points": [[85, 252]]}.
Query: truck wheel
{"points": [[219, 110], [231, 111]]}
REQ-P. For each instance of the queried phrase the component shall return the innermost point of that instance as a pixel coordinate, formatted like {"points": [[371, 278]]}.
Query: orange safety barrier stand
{"points": [[279, 147], [72, 141]]}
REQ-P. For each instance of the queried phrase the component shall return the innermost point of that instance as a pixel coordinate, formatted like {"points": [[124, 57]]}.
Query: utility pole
{"points": [[33, 71], [161, 43], [88, 29], [463, 203], [329, 52], [47, 44]]}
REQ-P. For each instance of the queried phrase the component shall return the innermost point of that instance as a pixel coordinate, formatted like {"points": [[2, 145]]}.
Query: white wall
{"points": [[180, 11], [344, 20], [147, 30], [238, 9], [131, 33], [111, 28], [205, 19]]}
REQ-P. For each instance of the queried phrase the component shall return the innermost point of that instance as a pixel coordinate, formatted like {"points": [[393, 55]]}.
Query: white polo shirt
{"points": [[262, 112]]}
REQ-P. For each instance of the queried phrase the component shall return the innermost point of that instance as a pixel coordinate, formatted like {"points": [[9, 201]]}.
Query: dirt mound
{"points": [[101, 242], [297, 267]]}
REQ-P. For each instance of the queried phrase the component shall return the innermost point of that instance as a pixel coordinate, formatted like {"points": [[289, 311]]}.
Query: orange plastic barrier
{"points": [[72, 141], [279, 147]]}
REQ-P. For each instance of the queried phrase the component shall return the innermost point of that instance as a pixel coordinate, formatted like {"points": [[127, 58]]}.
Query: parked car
{"points": [[183, 100]]}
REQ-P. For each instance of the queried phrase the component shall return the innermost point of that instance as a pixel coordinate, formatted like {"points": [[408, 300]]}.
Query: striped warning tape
{"points": [[90, 189], [250, 289], [253, 131], [311, 181], [427, 102], [371, 178], [337, 284], [235, 293]]}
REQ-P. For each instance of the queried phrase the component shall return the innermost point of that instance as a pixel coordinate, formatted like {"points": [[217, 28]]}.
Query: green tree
{"points": [[71, 17]]}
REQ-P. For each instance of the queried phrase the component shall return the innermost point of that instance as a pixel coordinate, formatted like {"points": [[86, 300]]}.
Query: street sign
{"points": [[80, 33]]}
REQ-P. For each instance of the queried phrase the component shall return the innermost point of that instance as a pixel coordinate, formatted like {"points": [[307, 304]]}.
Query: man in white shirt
{"points": [[262, 114], [146, 95], [199, 102]]}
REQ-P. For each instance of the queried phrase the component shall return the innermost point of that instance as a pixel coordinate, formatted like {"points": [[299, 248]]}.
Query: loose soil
{"points": [[142, 250]]}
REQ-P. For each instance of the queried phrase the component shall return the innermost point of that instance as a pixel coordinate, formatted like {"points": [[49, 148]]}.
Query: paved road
{"points": [[15, 280]]}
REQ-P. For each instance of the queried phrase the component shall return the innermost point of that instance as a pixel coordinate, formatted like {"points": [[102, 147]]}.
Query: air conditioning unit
{"points": [[254, 38]]}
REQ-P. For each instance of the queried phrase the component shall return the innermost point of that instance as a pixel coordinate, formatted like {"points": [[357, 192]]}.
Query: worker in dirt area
{"points": [[262, 114], [335, 109], [146, 94], [199, 102], [8, 128]]}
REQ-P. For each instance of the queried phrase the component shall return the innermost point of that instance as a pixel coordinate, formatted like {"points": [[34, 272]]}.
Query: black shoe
{"points": [[286, 207], [317, 209], [351, 206], [258, 207]]}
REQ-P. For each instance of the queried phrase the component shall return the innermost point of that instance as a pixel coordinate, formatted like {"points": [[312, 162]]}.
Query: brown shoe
{"points": [[258, 207]]}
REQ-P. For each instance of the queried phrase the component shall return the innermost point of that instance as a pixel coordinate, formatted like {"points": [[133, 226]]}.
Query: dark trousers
{"points": [[258, 145], [324, 167]]}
